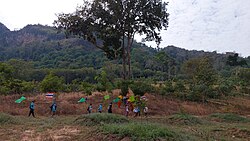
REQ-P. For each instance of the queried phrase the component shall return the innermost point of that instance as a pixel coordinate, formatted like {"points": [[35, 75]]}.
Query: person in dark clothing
{"points": [[53, 108], [89, 108], [100, 108], [110, 108], [32, 108]]}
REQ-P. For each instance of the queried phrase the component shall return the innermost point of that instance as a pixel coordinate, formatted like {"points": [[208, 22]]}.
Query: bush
{"points": [[184, 119], [141, 131], [245, 89], [179, 86], [7, 119], [28, 86], [201, 93], [229, 117], [197, 93], [4, 90], [140, 88], [225, 87], [103, 83], [100, 118], [123, 85], [169, 87], [87, 87], [52, 83]]}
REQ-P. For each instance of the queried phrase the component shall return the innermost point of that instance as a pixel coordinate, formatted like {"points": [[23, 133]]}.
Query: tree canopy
{"points": [[115, 22]]}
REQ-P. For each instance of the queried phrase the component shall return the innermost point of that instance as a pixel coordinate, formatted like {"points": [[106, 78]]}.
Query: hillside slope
{"points": [[50, 49], [158, 105]]}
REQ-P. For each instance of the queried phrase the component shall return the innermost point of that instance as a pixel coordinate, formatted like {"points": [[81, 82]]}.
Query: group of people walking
{"points": [[136, 110], [90, 108], [53, 108], [32, 108]]}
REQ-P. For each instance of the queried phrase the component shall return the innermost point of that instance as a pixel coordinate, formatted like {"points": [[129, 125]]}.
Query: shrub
{"points": [[104, 83], [186, 119], [225, 87], [123, 85], [141, 131], [87, 87], [140, 88], [4, 90], [7, 119], [168, 87], [197, 93], [229, 117], [28, 86], [52, 83], [201, 93], [179, 86]]}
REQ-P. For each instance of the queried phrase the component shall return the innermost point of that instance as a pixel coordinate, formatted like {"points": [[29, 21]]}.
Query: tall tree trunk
{"points": [[124, 59], [129, 45], [129, 58]]}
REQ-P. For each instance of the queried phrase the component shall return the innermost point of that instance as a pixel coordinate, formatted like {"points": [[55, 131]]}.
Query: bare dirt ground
{"points": [[158, 105], [60, 127], [51, 129]]}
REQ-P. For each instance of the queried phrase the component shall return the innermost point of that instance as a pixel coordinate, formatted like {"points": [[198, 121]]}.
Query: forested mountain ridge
{"points": [[47, 48], [41, 55]]}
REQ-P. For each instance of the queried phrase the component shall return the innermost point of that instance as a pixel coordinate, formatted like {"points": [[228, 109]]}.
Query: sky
{"points": [[209, 25]]}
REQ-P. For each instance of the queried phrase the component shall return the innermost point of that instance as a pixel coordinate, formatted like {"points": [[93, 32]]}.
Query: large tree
{"points": [[112, 24]]}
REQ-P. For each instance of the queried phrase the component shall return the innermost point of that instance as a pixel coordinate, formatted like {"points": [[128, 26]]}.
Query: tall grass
{"points": [[7, 119], [142, 131], [229, 117], [185, 119]]}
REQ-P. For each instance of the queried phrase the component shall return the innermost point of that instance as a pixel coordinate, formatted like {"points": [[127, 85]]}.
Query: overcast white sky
{"points": [[209, 25]]}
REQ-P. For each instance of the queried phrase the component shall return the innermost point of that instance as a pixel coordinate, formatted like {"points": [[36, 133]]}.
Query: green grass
{"points": [[7, 119], [106, 126], [99, 119], [229, 117], [184, 119], [142, 131]]}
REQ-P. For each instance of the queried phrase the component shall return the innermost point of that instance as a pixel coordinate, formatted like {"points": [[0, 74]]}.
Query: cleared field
{"points": [[168, 119]]}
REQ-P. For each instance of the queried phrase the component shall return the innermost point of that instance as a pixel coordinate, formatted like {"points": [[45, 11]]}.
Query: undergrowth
{"points": [[142, 131], [229, 117], [7, 119], [185, 119]]}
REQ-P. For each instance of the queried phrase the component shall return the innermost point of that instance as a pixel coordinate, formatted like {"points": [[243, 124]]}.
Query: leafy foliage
{"points": [[140, 88], [124, 86], [234, 60], [51, 83], [87, 87], [33, 52], [103, 82], [116, 23]]}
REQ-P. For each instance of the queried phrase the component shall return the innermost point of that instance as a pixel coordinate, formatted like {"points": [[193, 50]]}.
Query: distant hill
{"points": [[47, 48]]}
